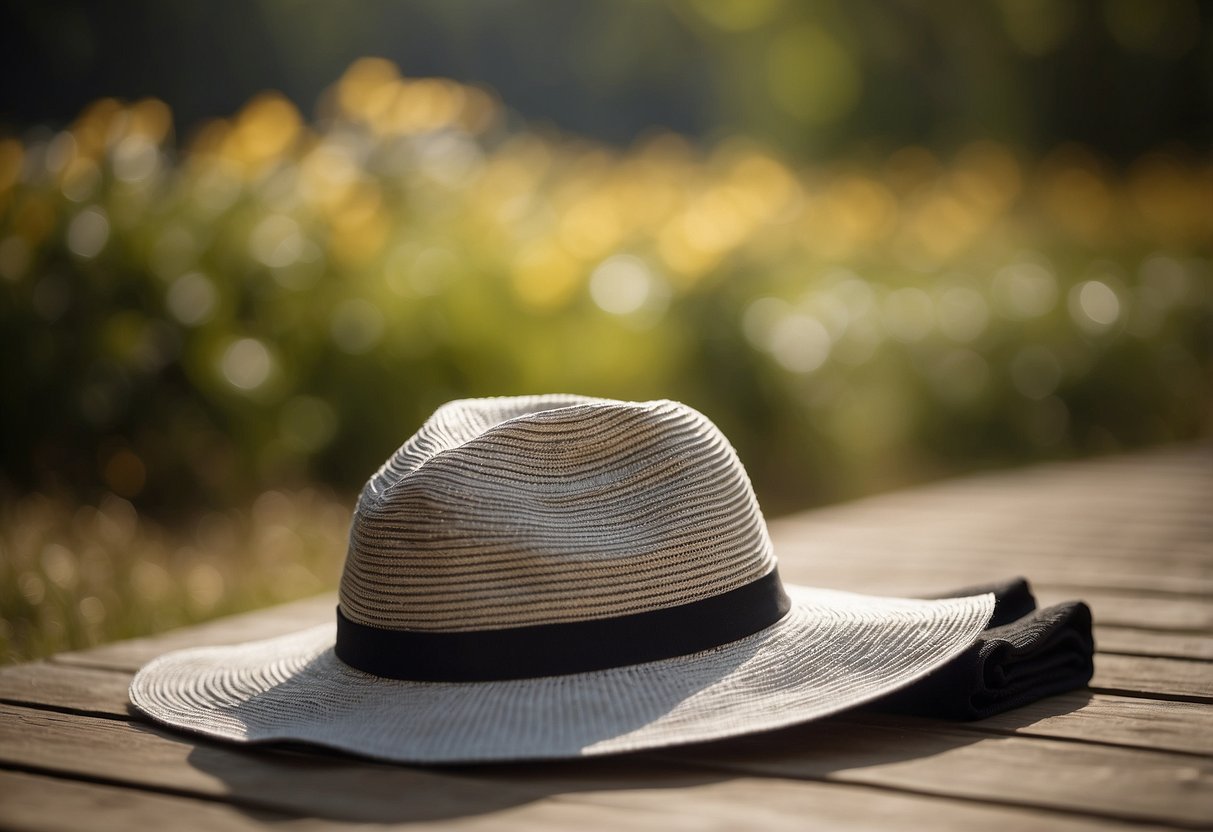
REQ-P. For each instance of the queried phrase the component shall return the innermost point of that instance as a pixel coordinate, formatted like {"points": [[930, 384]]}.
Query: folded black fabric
{"points": [[1026, 655]]}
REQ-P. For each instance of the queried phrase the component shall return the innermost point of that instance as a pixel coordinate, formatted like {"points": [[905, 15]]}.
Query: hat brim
{"points": [[832, 651]]}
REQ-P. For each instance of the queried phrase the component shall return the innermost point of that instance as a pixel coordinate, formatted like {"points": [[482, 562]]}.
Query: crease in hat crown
{"points": [[511, 512]]}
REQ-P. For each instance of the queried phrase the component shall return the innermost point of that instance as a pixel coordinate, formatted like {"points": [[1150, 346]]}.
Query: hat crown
{"points": [[510, 512]]}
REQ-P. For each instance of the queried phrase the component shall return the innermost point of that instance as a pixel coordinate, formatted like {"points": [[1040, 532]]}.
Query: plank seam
{"points": [[1162, 697], [109, 668], [1128, 592], [67, 710], [1142, 655], [984, 730]]}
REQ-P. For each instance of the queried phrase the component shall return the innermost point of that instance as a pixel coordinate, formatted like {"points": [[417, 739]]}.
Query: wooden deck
{"points": [[1131, 535]]}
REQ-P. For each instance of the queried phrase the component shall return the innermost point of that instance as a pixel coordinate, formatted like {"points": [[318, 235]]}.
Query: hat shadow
{"points": [[285, 780], [279, 782], [860, 739]]}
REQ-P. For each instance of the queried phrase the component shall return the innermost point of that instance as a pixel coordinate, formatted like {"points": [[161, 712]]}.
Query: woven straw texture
{"points": [[503, 513], [510, 512]]}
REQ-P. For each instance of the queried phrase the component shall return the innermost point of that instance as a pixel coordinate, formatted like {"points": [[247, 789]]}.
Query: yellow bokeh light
{"points": [[327, 174], [266, 127], [770, 183], [426, 104], [590, 227], [360, 83], [92, 128], [151, 119], [544, 276], [686, 261], [359, 229], [714, 223], [645, 200], [1171, 203], [866, 207], [11, 157], [987, 176], [378, 106], [481, 110], [362, 204], [943, 225]]}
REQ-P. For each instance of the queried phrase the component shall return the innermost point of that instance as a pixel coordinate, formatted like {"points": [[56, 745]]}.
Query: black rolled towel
{"points": [[1018, 661]]}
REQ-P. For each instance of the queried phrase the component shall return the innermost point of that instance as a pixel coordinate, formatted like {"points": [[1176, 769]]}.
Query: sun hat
{"points": [[554, 577]]}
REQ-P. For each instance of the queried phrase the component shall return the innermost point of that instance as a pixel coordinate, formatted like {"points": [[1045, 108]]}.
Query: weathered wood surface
{"points": [[1131, 535]]}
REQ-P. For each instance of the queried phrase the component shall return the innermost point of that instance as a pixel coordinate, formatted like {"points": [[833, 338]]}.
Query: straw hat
{"points": [[553, 577]]}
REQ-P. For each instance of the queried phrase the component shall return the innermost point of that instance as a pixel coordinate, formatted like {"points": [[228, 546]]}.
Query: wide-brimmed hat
{"points": [[553, 577]]}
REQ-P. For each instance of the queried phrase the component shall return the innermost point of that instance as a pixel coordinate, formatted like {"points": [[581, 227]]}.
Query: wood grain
{"points": [[38, 803], [1132, 641], [66, 687], [1078, 716], [1104, 780], [931, 759], [1138, 675]]}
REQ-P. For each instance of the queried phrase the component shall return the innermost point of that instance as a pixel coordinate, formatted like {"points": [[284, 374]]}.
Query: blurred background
{"points": [[247, 247]]}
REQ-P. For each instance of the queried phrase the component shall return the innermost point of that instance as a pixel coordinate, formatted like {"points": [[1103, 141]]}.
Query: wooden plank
{"points": [[1172, 614], [1078, 716], [825, 806], [1095, 780], [38, 803], [66, 687], [1131, 641], [1176, 678], [314, 784], [1116, 720]]}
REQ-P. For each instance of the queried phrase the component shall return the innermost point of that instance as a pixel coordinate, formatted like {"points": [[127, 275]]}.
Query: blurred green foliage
{"points": [[72, 577], [283, 301]]}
